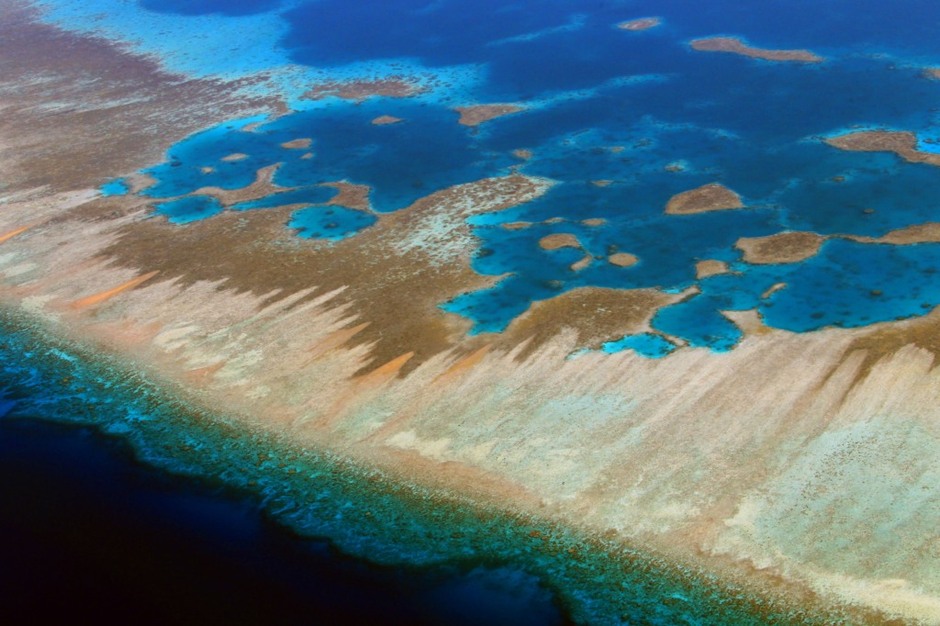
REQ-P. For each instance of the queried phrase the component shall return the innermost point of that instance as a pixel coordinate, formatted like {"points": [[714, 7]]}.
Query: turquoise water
{"points": [[363, 513], [640, 109], [116, 187], [647, 344], [188, 209], [333, 224]]}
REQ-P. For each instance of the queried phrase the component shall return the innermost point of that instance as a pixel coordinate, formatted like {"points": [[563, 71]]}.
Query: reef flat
{"points": [[647, 337]]}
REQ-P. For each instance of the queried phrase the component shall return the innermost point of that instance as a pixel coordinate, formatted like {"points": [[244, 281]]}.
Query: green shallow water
{"points": [[362, 512]]}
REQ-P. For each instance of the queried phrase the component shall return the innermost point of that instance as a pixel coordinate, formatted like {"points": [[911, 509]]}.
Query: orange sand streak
{"points": [[387, 371], [13, 233], [463, 364], [336, 339], [104, 296], [203, 374]]}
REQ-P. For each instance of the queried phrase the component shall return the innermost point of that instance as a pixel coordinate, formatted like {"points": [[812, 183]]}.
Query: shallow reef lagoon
{"points": [[433, 560], [640, 109]]}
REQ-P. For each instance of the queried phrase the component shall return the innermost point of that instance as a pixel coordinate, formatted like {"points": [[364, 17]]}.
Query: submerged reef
{"points": [[641, 23], [359, 90]]}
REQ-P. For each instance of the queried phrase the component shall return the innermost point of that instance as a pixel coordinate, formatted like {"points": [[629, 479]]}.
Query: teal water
{"points": [[363, 513], [116, 187], [188, 209]]}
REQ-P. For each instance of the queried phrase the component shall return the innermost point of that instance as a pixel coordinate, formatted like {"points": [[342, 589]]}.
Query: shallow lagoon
{"points": [[755, 126]]}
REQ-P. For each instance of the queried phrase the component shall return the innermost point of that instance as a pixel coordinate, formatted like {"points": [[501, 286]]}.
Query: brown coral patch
{"points": [[919, 233], [736, 46], [596, 314], [901, 143], [388, 280], [886, 340], [477, 114], [710, 267], [622, 259], [789, 247], [351, 196], [710, 197], [559, 240], [262, 186]]}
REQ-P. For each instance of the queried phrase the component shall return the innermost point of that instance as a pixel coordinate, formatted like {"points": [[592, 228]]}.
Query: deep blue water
{"points": [[88, 534], [652, 115]]}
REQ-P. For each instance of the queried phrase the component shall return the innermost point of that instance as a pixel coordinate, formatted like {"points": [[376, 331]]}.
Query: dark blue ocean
{"points": [[91, 533]]}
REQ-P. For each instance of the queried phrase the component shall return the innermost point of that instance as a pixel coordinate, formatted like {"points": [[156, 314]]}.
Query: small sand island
{"points": [[358, 90], [385, 120], [902, 143], [736, 46], [933, 73], [639, 24], [789, 247], [710, 197], [476, 114]]}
